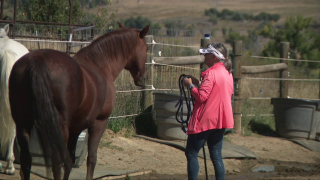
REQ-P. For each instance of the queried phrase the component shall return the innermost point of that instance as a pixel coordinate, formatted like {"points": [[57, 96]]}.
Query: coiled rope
{"points": [[189, 100]]}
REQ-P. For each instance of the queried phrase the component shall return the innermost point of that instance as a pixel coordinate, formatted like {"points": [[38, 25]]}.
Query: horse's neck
{"points": [[114, 68], [111, 68]]}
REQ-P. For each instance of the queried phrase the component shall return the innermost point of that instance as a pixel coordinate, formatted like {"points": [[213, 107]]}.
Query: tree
{"points": [[190, 32], [154, 28], [103, 17], [138, 22], [173, 27], [213, 19], [302, 42], [233, 36], [226, 14], [211, 11], [50, 11]]}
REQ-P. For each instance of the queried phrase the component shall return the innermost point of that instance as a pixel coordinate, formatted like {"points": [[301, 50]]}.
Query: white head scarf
{"points": [[212, 50]]}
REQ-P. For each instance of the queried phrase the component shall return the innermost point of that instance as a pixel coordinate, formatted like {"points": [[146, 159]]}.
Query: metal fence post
{"points": [[284, 52], [147, 96], [69, 29], [14, 19]]}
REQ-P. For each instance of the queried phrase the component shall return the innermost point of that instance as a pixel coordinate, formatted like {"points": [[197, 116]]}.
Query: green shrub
{"points": [[213, 19], [118, 124], [139, 22], [227, 14]]}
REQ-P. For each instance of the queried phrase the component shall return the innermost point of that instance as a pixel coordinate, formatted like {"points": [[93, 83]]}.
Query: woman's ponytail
{"points": [[227, 62]]}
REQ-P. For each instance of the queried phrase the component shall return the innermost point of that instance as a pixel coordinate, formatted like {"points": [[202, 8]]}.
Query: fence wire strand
{"points": [[165, 81]]}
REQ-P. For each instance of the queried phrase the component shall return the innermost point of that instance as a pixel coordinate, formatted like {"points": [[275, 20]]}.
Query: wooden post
{"points": [[203, 44], [284, 52], [147, 96], [237, 51]]}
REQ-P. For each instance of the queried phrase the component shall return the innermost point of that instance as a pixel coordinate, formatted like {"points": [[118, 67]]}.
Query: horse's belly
{"points": [[80, 122]]}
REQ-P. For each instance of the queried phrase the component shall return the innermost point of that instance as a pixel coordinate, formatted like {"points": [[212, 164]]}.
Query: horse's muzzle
{"points": [[141, 81]]}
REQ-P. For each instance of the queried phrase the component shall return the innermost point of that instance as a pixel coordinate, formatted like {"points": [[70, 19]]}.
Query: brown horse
{"points": [[61, 96]]}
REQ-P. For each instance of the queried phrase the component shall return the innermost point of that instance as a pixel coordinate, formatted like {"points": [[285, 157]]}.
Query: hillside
{"points": [[192, 11]]}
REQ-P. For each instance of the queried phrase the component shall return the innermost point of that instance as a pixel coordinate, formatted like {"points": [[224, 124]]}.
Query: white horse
{"points": [[10, 52]]}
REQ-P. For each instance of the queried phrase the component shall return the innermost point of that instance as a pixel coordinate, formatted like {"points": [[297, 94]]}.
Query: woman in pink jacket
{"points": [[212, 111]]}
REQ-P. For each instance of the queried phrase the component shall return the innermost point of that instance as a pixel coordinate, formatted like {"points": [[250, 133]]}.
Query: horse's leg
{"points": [[25, 158], [10, 156], [72, 143], [95, 132]]}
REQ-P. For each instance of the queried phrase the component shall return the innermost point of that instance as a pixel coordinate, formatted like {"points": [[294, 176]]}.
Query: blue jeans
{"points": [[195, 142]]}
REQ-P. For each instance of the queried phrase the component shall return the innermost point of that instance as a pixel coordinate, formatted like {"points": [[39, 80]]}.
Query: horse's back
{"points": [[14, 46], [65, 81]]}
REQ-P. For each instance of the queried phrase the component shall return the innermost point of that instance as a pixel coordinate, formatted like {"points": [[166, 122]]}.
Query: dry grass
{"points": [[192, 11]]}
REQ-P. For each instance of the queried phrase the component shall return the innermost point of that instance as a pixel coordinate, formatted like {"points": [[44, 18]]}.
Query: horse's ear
{"points": [[6, 28], [144, 31], [120, 25]]}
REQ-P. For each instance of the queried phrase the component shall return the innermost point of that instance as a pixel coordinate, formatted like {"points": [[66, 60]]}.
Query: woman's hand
{"points": [[187, 82], [195, 81]]}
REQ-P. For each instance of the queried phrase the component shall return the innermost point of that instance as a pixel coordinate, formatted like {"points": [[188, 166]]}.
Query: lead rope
{"points": [[189, 100]]}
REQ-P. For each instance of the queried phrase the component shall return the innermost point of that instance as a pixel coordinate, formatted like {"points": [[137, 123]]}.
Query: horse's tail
{"points": [[47, 119], [7, 125]]}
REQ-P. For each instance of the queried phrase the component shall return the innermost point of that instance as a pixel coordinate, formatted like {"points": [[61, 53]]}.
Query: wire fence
{"points": [[257, 89], [303, 80]]}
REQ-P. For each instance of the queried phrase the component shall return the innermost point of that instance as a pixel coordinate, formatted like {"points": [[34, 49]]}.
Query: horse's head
{"points": [[4, 32], [136, 65]]}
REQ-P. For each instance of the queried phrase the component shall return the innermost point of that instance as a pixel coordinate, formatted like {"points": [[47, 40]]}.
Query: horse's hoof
{"points": [[10, 172]]}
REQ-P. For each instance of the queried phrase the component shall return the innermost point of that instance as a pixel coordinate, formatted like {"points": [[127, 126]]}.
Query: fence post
{"points": [[145, 123], [147, 95], [237, 52], [14, 19], [284, 53], [69, 29], [203, 44]]}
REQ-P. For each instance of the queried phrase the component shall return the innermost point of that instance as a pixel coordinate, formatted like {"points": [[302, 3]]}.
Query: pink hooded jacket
{"points": [[213, 103]]}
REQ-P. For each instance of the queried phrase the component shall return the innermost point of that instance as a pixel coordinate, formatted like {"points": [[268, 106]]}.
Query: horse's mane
{"points": [[114, 45]]}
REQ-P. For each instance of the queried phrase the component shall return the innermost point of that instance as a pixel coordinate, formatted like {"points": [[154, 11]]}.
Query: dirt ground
{"points": [[159, 161]]}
